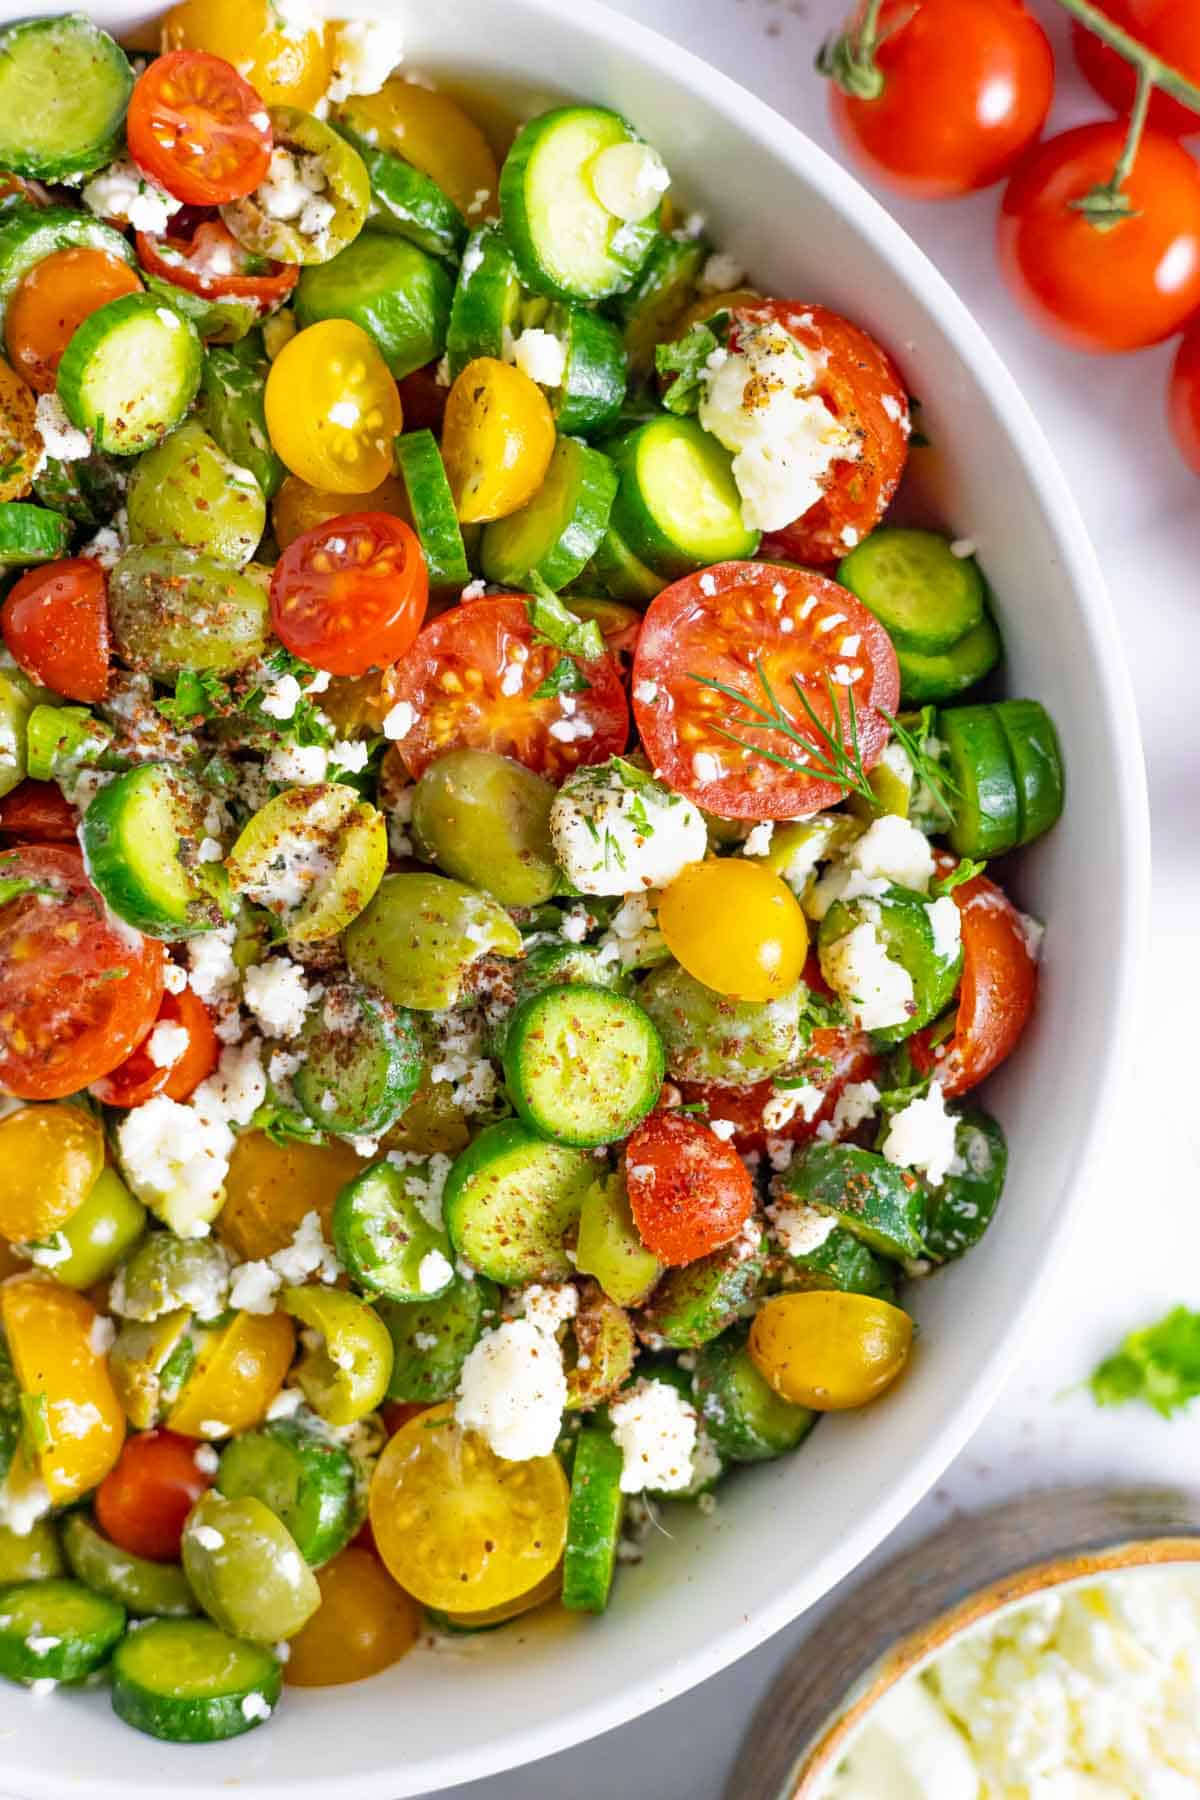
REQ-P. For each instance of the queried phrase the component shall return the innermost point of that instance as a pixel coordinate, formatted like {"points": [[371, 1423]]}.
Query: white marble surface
{"points": [[1139, 1252]]}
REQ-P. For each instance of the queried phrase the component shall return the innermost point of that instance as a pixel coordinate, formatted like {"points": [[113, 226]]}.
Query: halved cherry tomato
{"points": [[350, 596], [1171, 28], [764, 956], [285, 59], [459, 680], [36, 813], [53, 300], [298, 508], [862, 387], [365, 1623], [1183, 401], [689, 1193], [830, 1351], [208, 260], [724, 625], [55, 623], [497, 440], [198, 128], [76, 993], [1119, 286], [139, 1077], [51, 1335], [967, 85], [142, 1504], [999, 986], [836, 1058], [333, 410]]}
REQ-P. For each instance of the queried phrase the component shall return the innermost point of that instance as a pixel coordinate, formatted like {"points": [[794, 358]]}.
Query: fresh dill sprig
{"points": [[829, 754], [926, 768]]}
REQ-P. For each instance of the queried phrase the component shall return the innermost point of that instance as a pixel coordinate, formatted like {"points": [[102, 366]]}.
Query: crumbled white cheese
{"points": [[296, 765], [60, 438], [255, 1706], [614, 835], [174, 978], [878, 991], [206, 1459], [893, 849], [253, 1287], [758, 843], [655, 1430], [175, 1160], [282, 698], [435, 1272], [398, 721], [721, 273], [921, 1136], [946, 922], [576, 923], [292, 182], [725, 1129], [549, 1306], [348, 756], [166, 1044], [800, 1229], [541, 356], [122, 192], [307, 1254], [513, 1390], [212, 971], [855, 1105], [24, 1498], [365, 52], [234, 1093], [101, 1332], [278, 995]]}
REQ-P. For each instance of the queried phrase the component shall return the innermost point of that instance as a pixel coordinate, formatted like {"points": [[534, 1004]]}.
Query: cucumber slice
{"points": [[547, 966], [592, 391], [144, 1588], [10, 1411], [987, 806], [398, 294], [511, 1198], [623, 575], [307, 1482], [959, 1211], [555, 534], [362, 1062], [566, 242], [693, 1305], [678, 506], [141, 836], [583, 1064], [31, 534], [218, 321], [56, 1630], [665, 286], [424, 475], [188, 1682], [28, 237], [407, 203], [744, 1416], [901, 919], [487, 298], [924, 596], [383, 1235], [925, 680], [881, 1205], [1037, 764], [432, 1338], [34, 1556], [130, 372], [232, 385], [89, 492], [64, 87], [844, 1262], [594, 1514]]}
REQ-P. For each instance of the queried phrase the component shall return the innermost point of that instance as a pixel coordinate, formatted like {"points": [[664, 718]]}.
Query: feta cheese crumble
{"points": [[365, 53], [878, 992], [615, 830], [541, 356], [278, 995], [513, 1390], [921, 1136], [60, 438], [655, 1429], [122, 192]]}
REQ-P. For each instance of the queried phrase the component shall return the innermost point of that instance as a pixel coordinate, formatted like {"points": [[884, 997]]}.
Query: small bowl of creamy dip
{"points": [[1047, 1649]]}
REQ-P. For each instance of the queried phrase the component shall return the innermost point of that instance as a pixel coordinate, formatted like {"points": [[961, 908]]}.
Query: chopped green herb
{"points": [[566, 677], [965, 870], [199, 694], [554, 622], [687, 360], [1159, 1365]]}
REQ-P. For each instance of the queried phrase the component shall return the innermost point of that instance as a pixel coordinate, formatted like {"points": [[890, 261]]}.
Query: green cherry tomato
{"points": [[420, 935], [345, 1376], [246, 1571]]}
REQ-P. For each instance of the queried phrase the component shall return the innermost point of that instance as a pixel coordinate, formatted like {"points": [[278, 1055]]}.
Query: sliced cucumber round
{"points": [[188, 1682], [31, 534], [398, 294], [64, 88], [987, 805], [56, 1630], [130, 372], [924, 596], [621, 574], [305, 1480], [583, 1064], [926, 679], [1037, 763], [959, 1211], [902, 922], [385, 1238], [406, 202], [692, 1305], [744, 1416], [556, 533], [594, 1515], [424, 476], [510, 1199], [678, 507], [592, 389], [362, 1062], [431, 1338], [142, 836], [881, 1205], [844, 1262], [486, 301], [27, 237], [144, 1588]]}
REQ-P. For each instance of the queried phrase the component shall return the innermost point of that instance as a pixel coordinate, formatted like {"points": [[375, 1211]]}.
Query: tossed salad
{"points": [[495, 947]]}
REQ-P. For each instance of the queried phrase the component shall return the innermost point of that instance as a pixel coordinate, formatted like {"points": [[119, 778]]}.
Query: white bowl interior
{"points": [[785, 1532]]}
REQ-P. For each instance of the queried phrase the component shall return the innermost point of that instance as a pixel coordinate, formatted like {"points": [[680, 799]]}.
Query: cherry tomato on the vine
{"points": [[198, 128], [55, 623], [350, 595], [142, 1504], [967, 85], [1120, 284], [1171, 28]]}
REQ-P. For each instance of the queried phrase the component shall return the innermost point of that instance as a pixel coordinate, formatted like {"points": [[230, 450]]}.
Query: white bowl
{"points": [[784, 1533]]}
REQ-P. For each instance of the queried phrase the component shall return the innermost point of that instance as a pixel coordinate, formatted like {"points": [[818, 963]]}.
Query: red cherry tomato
{"points": [[350, 595], [142, 1504], [36, 813], [76, 992], [689, 1193], [139, 1077], [198, 128], [52, 301], [1172, 30], [999, 986], [1183, 402], [836, 1058], [1119, 288], [967, 86], [55, 623], [725, 625], [423, 400], [471, 678], [206, 258], [860, 384]]}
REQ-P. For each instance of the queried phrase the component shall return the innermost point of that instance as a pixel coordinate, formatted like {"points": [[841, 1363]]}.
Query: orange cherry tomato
{"points": [[967, 85], [209, 260], [142, 1503], [1118, 287], [1171, 28], [52, 301], [270, 1187], [35, 812], [997, 994], [198, 128], [50, 1332], [689, 1193], [139, 1077], [350, 595], [1183, 403], [55, 623], [364, 1623], [76, 994]]}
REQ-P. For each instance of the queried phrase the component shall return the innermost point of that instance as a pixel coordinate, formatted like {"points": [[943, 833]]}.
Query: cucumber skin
{"points": [[928, 680], [113, 870], [29, 234], [486, 298], [859, 1186], [857, 573], [205, 1719], [594, 1514], [959, 1212], [525, 1024], [423, 473], [722, 1406], [492, 1248], [74, 1657], [398, 294], [130, 1580], [1037, 764], [79, 360], [83, 160], [427, 1376], [597, 372], [581, 530], [645, 311], [322, 1516], [30, 535], [405, 202], [393, 1036], [987, 807], [696, 1303], [635, 520]]}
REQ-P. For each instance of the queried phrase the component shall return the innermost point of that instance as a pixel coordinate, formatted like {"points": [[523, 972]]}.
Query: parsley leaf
{"points": [[1159, 1365], [966, 870], [553, 621], [687, 359], [566, 677], [286, 1125], [199, 694]]}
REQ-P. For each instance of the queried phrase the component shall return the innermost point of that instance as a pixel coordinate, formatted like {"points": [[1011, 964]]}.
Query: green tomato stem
{"points": [[1160, 74], [1104, 207], [849, 57]]}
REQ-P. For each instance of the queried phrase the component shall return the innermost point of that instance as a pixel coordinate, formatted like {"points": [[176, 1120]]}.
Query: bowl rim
{"points": [[1128, 904]]}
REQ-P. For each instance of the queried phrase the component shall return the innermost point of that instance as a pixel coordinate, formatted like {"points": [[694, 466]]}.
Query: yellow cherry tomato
{"points": [[497, 440], [736, 927], [830, 1351], [701, 310], [459, 1527], [78, 1426], [545, 1591], [432, 132], [364, 1623], [50, 1159], [345, 1374], [238, 1373], [333, 410], [285, 69], [271, 1187], [298, 508]]}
